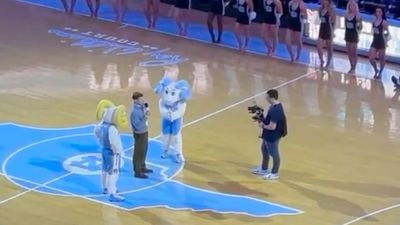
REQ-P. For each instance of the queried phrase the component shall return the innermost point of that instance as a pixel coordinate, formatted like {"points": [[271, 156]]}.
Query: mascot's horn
{"points": [[120, 117], [101, 108], [186, 92], [165, 81]]}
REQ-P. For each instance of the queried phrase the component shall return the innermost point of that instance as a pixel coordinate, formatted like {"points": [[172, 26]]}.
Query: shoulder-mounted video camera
{"points": [[257, 113]]}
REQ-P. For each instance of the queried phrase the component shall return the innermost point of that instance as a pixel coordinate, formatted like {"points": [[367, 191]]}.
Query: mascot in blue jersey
{"points": [[111, 118]]}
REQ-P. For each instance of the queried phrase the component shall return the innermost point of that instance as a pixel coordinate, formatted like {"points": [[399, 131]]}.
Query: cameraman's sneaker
{"points": [[260, 171], [271, 176]]}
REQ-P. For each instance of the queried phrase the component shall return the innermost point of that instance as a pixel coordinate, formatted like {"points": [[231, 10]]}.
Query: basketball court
{"points": [[340, 161]]}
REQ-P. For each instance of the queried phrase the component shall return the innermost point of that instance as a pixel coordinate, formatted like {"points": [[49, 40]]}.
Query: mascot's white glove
{"points": [[165, 111], [115, 141], [181, 108]]}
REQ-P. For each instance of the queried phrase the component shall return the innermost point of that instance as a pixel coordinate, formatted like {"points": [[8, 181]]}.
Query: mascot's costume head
{"points": [[172, 105], [107, 112]]}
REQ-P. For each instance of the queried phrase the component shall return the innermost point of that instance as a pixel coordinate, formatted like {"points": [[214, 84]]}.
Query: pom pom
{"points": [[253, 15]]}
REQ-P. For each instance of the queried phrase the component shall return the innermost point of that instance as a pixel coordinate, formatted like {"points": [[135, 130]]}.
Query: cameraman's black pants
{"points": [[270, 149]]}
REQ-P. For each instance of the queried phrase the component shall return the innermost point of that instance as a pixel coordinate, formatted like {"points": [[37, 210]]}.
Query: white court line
{"points": [[66, 192], [46, 128], [247, 99], [32, 189], [372, 213], [147, 207], [9, 178], [90, 198], [187, 124]]}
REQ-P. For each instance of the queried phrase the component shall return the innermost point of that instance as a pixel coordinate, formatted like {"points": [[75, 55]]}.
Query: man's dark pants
{"points": [[140, 152], [270, 149]]}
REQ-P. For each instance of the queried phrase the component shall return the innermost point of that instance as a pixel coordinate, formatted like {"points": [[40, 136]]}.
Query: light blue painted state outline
{"points": [[23, 147]]}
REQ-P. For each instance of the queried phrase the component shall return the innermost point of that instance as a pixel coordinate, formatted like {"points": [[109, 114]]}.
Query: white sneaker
{"points": [[271, 176], [179, 158], [116, 198], [260, 171], [164, 154]]}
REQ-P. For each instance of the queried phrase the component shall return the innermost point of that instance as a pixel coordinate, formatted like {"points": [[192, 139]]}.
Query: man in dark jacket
{"points": [[274, 128]]}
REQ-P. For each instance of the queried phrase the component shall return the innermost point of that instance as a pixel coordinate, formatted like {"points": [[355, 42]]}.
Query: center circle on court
{"points": [[77, 160], [85, 164]]}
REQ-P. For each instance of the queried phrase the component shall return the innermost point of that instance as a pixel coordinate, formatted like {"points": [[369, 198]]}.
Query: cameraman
{"points": [[139, 116], [273, 129]]}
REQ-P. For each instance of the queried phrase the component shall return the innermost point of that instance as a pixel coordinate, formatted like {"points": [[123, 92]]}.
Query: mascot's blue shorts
{"points": [[109, 160], [171, 127]]}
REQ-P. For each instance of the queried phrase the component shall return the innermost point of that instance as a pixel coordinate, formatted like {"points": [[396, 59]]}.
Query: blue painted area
{"points": [[67, 162], [15, 142], [187, 197]]}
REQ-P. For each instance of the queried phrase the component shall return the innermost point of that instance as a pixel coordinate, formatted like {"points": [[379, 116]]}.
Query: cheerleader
{"points": [[93, 12], [119, 7], [273, 12], [217, 9], [181, 8], [284, 20], [327, 16], [297, 13], [243, 20], [353, 27], [380, 38], [65, 5], [151, 12]]}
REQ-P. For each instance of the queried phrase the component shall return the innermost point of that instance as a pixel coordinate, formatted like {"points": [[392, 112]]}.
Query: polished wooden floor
{"points": [[340, 162]]}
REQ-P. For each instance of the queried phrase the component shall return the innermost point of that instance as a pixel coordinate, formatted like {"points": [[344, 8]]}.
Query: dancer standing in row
{"points": [[327, 16], [93, 11], [378, 46], [119, 7], [180, 14], [273, 12], [217, 9], [243, 20], [69, 9], [297, 13], [151, 11], [353, 27]]}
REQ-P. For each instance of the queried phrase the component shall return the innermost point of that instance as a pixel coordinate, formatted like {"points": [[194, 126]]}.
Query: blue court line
{"points": [[199, 32]]}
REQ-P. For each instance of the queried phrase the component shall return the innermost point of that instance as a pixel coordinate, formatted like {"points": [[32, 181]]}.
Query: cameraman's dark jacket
{"points": [[275, 114]]}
